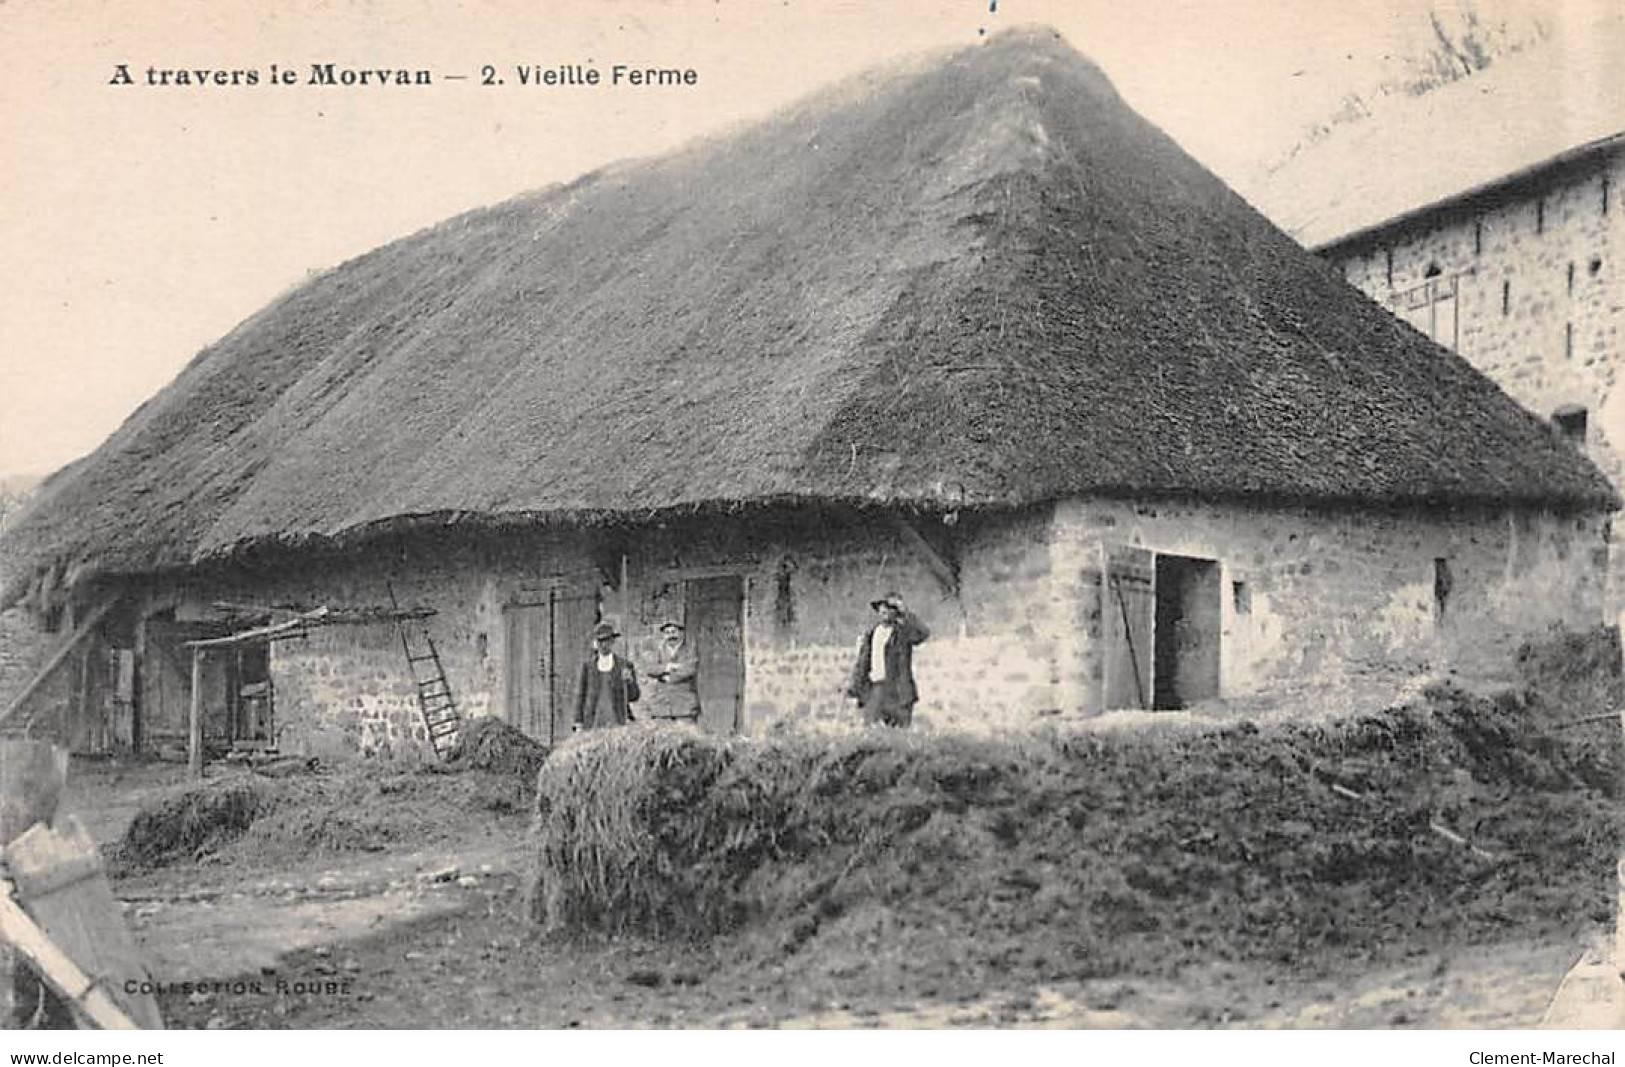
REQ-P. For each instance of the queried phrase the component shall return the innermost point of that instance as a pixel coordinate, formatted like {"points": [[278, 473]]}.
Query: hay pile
{"points": [[490, 744], [253, 821], [1572, 672], [1081, 856], [193, 823]]}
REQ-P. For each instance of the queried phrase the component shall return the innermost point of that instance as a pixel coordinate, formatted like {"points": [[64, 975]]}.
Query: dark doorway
{"points": [[547, 640], [250, 713], [714, 610], [1187, 631]]}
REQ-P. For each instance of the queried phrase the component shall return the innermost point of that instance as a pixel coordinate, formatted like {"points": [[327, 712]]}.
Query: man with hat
{"points": [[883, 677], [609, 684], [676, 694]]}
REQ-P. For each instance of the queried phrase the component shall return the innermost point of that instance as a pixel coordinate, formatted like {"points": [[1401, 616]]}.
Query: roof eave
{"points": [[1529, 174]]}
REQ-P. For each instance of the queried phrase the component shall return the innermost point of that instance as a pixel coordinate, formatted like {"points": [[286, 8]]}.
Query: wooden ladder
{"points": [[435, 700]]}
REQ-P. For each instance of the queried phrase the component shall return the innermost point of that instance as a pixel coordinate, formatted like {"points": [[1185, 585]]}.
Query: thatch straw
{"points": [[984, 283]]}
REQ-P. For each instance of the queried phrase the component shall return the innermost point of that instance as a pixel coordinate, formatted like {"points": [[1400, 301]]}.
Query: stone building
{"points": [[1494, 225], [969, 329]]}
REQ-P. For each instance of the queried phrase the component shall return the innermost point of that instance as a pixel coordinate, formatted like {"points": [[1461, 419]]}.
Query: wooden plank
{"points": [[943, 569], [294, 627], [61, 654], [61, 884], [89, 1000], [194, 721]]}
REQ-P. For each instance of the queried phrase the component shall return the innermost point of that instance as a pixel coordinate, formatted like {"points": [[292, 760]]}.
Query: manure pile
{"points": [[365, 806], [1457, 819]]}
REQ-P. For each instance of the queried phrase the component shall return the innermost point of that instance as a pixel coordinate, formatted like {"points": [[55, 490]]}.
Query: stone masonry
{"points": [[1537, 270], [1307, 595]]}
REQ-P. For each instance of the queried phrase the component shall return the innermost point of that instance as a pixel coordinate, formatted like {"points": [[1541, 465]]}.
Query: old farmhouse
{"points": [[971, 330]]}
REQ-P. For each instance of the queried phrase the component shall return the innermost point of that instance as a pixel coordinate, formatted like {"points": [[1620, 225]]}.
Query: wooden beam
{"points": [[58, 971], [82, 631], [712, 570], [943, 569], [294, 627], [194, 722]]}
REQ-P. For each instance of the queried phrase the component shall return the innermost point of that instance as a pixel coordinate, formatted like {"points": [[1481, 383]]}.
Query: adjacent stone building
{"points": [[969, 330], [1494, 225]]}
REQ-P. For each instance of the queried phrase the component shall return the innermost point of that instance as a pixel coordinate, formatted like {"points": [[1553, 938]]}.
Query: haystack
{"points": [[1458, 818]]}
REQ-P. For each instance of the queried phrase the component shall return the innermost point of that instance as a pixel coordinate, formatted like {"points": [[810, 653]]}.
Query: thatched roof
{"points": [[981, 281]]}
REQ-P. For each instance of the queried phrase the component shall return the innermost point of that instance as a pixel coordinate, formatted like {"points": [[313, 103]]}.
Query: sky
{"points": [[139, 223]]}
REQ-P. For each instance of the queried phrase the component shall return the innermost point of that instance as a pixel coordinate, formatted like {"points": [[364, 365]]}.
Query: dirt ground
{"points": [[433, 936]]}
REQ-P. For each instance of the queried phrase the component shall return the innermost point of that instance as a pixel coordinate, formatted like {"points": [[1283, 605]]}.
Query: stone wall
{"points": [[1325, 596], [346, 688], [1540, 281], [993, 649]]}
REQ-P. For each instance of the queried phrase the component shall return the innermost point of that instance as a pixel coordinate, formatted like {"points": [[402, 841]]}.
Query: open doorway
{"points": [[1160, 623], [238, 696], [1186, 637]]}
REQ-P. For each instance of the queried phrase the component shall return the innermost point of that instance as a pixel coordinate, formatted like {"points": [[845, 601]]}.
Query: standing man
{"points": [[676, 694], [608, 686], [883, 676]]}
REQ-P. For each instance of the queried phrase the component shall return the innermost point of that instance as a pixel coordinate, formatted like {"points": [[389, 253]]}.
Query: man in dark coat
{"points": [[883, 677], [608, 685]]}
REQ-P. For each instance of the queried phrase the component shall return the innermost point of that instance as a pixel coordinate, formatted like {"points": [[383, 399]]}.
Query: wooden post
{"points": [[32, 774], [194, 725]]}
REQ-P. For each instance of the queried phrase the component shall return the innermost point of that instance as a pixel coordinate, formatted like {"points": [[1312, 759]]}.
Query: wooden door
{"points": [[574, 614], [525, 666], [714, 611], [547, 641], [1128, 612]]}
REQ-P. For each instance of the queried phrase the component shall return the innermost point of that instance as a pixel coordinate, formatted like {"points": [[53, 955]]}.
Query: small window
{"points": [[1605, 194], [1571, 279], [1568, 340], [1595, 265], [1441, 587], [1540, 216], [1570, 424], [1241, 598], [1506, 297], [1388, 257], [1478, 237]]}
